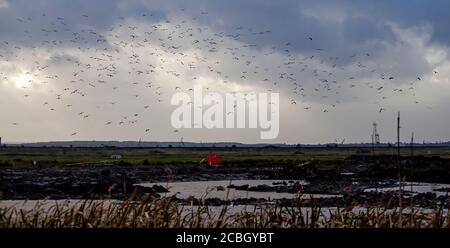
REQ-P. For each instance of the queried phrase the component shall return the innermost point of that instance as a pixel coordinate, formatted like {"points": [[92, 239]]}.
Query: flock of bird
{"points": [[128, 56]]}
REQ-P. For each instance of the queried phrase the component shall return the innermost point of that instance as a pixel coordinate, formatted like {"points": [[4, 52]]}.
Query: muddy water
{"points": [[47, 204], [218, 189], [416, 188]]}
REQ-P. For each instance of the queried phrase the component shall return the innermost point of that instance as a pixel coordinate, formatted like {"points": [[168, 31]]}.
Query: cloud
{"points": [[108, 60], [4, 4]]}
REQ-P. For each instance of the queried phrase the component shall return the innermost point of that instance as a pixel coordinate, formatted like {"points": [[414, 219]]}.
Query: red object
{"points": [[214, 160]]}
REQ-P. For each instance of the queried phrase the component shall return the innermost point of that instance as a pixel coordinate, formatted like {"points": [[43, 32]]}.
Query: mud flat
{"points": [[361, 180]]}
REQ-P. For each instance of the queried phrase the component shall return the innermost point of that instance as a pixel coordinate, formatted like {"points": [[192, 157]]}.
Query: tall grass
{"points": [[167, 213]]}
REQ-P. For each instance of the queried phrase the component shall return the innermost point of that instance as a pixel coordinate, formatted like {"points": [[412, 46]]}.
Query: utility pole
{"points": [[373, 148], [400, 199], [373, 145], [398, 135], [411, 169], [375, 134], [375, 141]]}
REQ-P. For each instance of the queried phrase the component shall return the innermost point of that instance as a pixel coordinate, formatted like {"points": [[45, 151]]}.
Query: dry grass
{"points": [[166, 213]]}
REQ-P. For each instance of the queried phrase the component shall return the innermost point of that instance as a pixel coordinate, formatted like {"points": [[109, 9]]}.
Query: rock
{"points": [[242, 187], [159, 189]]}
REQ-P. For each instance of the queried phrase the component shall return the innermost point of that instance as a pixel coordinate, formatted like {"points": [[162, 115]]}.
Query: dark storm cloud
{"points": [[403, 39], [31, 23], [287, 21]]}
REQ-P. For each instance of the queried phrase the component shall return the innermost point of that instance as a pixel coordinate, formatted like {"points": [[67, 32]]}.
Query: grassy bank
{"points": [[24, 156]]}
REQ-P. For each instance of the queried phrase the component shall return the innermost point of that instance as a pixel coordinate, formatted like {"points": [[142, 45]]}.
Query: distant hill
{"points": [[214, 144], [143, 144]]}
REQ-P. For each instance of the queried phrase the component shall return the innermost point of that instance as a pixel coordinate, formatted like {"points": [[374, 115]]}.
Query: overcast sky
{"points": [[107, 69]]}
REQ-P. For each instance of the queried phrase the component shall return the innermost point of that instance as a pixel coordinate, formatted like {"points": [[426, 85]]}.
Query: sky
{"points": [[107, 69]]}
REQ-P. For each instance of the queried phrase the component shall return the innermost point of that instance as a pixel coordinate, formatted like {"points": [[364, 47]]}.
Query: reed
{"points": [[167, 213]]}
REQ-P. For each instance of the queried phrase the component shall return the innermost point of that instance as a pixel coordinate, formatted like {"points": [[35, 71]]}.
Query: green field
{"points": [[22, 156]]}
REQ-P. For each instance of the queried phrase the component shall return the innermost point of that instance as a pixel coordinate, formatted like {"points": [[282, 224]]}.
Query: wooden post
{"points": [[398, 135], [400, 199]]}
